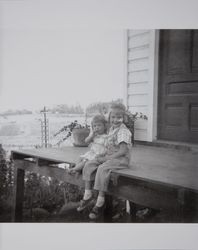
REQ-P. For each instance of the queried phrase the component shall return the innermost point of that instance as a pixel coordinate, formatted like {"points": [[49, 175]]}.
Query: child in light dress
{"points": [[97, 139], [118, 145]]}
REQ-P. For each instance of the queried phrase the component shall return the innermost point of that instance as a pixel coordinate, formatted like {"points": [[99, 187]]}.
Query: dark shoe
{"points": [[96, 212], [84, 204]]}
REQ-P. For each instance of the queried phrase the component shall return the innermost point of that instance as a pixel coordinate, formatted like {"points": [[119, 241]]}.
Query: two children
{"points": [[116, 156]]}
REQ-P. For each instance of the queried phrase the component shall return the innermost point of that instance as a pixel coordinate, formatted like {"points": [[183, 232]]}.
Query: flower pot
{"points": [[79, 135]]}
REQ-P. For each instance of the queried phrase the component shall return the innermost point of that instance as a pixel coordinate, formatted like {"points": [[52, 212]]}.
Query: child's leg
{"points": [[98, 209], [88, 176], [78, 167], [86, 201], [103, 174], [101, 184], [88, 185], [88, 190], [89, 171], [101, 199]]}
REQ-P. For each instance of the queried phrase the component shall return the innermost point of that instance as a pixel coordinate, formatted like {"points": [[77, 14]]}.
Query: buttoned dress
{"points": [[101, 172], [97, 147]]}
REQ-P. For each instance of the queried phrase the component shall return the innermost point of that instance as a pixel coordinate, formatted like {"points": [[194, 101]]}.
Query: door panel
{"points": [[178, 86], [195, 52]]}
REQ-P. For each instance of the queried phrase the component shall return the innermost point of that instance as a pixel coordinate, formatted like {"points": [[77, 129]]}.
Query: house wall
{"points": [[142, 80]]}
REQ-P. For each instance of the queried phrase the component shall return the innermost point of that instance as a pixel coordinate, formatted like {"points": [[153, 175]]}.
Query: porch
{"points": [[163, 178]]}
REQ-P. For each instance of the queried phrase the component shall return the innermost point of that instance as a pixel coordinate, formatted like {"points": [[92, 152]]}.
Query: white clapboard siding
{"points": [[138, 76], [138, 64], [142, 39], [138, 100], [139, 67], [138, 88], [139, 52], [136, 32]]}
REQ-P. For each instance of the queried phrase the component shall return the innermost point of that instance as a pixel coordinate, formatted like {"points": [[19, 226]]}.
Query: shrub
{"points": [[48, 193]]}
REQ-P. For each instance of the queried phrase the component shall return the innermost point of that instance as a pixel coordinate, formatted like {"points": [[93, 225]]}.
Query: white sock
{"points": [[100, 201], [87, 194]]}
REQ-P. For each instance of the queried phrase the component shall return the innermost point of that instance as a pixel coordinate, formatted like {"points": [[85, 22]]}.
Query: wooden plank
{"points": [[129, 173], [145, 193], [155, 173], [59, 155], [156, 195], [170, 167]]}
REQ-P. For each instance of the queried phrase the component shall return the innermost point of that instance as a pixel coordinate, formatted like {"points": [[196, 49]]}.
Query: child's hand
{"points": [[95, 133], [90, 137], [101, 159]]}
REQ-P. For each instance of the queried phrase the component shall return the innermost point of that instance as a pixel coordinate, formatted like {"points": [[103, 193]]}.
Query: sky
{"points": [[73, 51], [51, 63]]}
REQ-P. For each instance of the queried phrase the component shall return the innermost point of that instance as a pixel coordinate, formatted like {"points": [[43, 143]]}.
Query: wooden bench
{"points": [[148, 185]]}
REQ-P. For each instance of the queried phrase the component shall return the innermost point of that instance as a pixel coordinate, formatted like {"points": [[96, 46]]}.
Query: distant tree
{"points": [[100, 107], [66, 109], [16, 112]]}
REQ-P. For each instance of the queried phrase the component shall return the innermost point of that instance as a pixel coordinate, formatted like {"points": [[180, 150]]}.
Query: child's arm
{"points": [[123, 139], [123, 150], [90, 137]]}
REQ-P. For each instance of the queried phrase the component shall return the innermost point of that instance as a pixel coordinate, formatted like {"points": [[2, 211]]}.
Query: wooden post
{"points": [[133, 210], [186, 205], [17, 215], [108, 212]]}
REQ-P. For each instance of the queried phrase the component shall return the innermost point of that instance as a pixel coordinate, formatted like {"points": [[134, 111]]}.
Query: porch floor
{"points": [[170, 165]]}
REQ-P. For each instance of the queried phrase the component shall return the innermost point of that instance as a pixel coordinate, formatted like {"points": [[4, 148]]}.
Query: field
{"points": [[24, 131]]}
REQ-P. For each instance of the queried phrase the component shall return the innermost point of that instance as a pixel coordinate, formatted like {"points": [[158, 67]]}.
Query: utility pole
{"points": [[44, 128]]}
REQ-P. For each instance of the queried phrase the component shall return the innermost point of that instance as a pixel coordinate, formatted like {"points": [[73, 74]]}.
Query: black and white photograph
{"points": [[98, 123]]}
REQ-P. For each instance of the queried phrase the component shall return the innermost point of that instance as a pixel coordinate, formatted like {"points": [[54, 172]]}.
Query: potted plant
{"points": [[130, 121], [78, 131]]}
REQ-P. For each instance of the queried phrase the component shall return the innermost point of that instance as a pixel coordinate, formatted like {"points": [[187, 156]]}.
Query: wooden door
{"points": [[178, 86]]}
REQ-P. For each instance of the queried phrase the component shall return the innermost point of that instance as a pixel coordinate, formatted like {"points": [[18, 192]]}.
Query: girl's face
{"points": [[116, 118], [98, 128]]}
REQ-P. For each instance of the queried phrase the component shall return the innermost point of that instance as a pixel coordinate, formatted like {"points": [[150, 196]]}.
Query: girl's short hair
{"points": [[99, 118], [127, 119], [118, 106]]}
